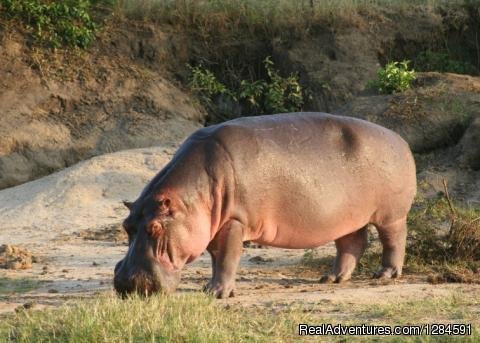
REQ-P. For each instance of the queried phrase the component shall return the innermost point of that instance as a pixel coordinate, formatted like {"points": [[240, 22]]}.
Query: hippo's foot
{"points": [[332, 278], [226, 249], [393, 237], [220, 291], [388, 273]]}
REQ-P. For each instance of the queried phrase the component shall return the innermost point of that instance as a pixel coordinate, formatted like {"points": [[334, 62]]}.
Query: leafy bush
{"points": [[57, 23], [441, 62], [275, 95], [395, 77], [203, 81], [281, 94]]}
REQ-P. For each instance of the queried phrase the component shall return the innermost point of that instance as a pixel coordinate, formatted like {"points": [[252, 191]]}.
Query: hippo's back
{"points": [[305, 173]]}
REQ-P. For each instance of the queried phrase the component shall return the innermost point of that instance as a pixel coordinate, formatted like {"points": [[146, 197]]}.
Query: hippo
{"points": [[296, 180]]}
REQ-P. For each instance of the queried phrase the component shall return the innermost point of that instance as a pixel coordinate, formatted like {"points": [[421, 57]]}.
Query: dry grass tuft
{"points": [[464, 237]]}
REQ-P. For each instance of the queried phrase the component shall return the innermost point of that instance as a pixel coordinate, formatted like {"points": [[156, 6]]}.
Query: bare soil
{"points": [[79, 269]]}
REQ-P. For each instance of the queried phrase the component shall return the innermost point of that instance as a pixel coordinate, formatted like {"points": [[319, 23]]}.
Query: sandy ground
{"points": [[70, 221]]}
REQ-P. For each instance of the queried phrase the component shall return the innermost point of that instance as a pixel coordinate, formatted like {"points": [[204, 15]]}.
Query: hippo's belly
{"points": [[304, 238], [310, 219]]}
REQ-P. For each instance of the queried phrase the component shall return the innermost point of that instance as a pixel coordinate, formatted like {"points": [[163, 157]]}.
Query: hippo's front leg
{"points": [[226, 249]]}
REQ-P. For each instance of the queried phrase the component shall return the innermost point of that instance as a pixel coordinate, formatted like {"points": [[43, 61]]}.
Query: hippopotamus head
{"points": [[164, 233]]}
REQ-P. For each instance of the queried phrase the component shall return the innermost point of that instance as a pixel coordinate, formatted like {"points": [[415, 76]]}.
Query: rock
{"points": [[260, 259], [15, 257], [27, 306]]}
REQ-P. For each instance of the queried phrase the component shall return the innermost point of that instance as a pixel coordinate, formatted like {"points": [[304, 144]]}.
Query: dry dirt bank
{"points": [[60, 108], [127, 90]]}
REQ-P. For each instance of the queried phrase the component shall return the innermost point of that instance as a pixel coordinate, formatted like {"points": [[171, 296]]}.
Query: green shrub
{"points": [[205, 82], [281, 94], [441, 62], [56, 23], [395, 77], [277, 94]]}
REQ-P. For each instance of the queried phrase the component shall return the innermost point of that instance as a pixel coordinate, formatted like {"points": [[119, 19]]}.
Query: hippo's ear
{"points": [[128, 204]]}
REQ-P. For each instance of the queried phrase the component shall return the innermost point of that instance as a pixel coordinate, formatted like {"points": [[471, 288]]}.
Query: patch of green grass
{"points": [[450, 308], [457, 308], [199, 318], [9, 286]]}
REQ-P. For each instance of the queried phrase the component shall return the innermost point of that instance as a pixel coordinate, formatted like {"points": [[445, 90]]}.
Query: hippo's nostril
{"points": [[122, 284]]}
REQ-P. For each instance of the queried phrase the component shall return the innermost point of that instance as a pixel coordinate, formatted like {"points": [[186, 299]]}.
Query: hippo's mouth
{"points": [[141, 285], [144, 281]]}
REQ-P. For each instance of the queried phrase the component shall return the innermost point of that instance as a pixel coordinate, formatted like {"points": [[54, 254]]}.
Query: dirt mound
{"points": [[15, 257], [433, 114], [86, 196], [62, 107]]}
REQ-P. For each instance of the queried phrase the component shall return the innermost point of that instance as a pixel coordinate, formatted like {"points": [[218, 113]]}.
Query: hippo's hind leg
{"points": [[226, 249], [349, 250], [393, 237]]}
